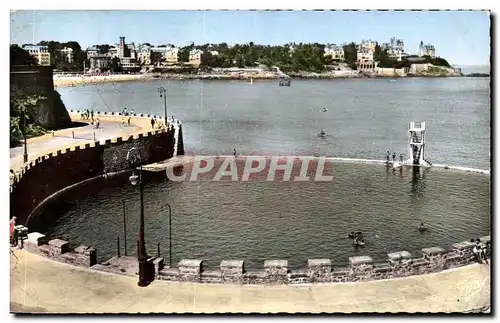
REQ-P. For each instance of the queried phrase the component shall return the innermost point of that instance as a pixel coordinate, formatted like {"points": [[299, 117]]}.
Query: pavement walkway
{"points": [[42, 285], [84, 135], [110, 127]]}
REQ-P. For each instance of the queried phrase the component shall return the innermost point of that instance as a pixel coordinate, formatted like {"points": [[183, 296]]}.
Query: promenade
{"points": [[42, 285], [110, 127]]}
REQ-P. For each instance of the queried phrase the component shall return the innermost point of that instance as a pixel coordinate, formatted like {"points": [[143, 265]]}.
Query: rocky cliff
{"points": [[38, 80]]}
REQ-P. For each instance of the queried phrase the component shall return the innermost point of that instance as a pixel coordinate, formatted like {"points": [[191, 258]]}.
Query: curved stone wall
{"points": [[56, 170], [361, 268]]}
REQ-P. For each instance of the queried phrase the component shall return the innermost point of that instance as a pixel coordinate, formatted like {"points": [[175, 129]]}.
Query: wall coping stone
{"points": [[319, 262], [275, 263], [36, 238], [84, 249], [190, 263], [432, 251], [58, 243], [232, 263], [463, 245], [360, 260], [399, 255]]}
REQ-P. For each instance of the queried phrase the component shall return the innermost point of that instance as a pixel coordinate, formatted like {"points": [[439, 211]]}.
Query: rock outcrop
{"points": [[38, 80]]}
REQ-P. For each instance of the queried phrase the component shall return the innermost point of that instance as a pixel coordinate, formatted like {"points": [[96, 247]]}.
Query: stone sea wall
{"points": [[56, 170], [361, 268], [59, 250]]}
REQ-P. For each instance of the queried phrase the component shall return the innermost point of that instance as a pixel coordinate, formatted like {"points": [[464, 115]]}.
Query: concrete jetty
{"points": [[169, 163]]}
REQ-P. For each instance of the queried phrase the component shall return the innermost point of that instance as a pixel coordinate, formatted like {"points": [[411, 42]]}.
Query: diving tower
{"points": [[416, 145]]}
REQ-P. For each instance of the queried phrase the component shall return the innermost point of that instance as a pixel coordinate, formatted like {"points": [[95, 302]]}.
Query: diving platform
{"points": [[416, 146]]}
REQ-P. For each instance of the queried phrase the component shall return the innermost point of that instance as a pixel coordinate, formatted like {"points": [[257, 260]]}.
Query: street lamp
{"points": [[25, 156], [163, 94], [134, 159], [169, 235]]}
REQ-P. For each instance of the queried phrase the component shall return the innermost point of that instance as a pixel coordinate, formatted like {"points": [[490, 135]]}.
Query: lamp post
{"points": [[169, 235], [163, 94], [25, 156], [134, 158]]}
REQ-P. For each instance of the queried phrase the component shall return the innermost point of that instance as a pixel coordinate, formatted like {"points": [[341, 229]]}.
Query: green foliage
{"points": [[19, 56], [351, 55], [58, 60], [207, 59], [438, 61], [382, 57], [102, 49], [184, 53], [303, 57], [115, 65], [23, 111]]}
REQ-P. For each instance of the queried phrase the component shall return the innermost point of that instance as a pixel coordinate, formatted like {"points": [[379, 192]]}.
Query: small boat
{"points": [[322, 134], [284, 83], [325, 109]]}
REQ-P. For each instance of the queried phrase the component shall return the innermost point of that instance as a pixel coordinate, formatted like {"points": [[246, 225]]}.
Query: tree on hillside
{"points": [[351, 54], [115, 65], [23, 110], [438, 61], [328, 59], [184, 52], [59, 60], [382, 57], [19, 56], [103, 49], [207, 59]]}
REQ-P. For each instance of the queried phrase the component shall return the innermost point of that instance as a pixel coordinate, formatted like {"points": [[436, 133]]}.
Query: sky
{"points": [[461, 37]]}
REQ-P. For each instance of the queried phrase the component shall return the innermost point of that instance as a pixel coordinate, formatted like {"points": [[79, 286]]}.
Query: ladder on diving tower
{"points": [[416, 145]]}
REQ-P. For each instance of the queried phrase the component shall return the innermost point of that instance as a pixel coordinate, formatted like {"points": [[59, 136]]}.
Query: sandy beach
{"points": [[69, 81]]}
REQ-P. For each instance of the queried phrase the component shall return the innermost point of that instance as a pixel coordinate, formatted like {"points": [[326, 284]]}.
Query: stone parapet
{"points": [[59, 250], [360, 268]]}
